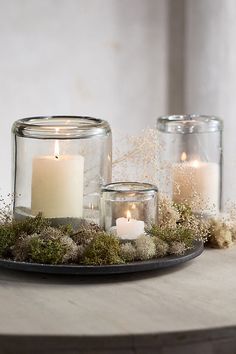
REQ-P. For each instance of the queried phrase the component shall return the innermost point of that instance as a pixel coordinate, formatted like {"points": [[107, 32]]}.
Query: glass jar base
{"points": [[21, 213]]}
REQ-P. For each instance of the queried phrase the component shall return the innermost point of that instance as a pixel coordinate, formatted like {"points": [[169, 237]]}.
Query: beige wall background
{"points": [[127, 61]]}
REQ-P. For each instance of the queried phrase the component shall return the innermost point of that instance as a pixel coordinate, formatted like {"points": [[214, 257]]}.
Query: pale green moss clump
{"points": [[13, 230], [162, 247], [128, 252], [50, 246], [177, 248], [145, 247]]}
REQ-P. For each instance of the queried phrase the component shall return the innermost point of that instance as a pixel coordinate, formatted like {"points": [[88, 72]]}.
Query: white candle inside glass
{"points": [[196, 183], [128, 228], [57, 185]]}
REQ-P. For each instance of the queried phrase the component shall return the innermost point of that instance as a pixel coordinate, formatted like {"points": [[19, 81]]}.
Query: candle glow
{"points": [[196, 183]]}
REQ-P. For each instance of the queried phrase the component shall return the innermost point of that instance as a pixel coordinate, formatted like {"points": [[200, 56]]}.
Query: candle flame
{"points": [[183, 156], [133, 206], [128, 215]]}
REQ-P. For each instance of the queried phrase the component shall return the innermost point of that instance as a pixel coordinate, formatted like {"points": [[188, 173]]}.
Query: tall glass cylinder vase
{"points": [[190, 161], [59, 166]]}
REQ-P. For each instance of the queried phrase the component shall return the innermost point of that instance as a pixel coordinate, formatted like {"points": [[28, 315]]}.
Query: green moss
{"points": [[52, 246], [67, 229], [184, 235], [20, 249], [10, 232], [33, 239], [49, 251], [86, 233], [180, 234], [103, 249], [30, 225], [7, 239]]}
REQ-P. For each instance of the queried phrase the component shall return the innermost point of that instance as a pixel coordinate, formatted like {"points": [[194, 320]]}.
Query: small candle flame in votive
{"points": [[128, 215], [183, 156]]}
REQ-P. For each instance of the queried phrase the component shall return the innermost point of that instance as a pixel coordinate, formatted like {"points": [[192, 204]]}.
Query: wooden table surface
{"points": [[191, 308]]}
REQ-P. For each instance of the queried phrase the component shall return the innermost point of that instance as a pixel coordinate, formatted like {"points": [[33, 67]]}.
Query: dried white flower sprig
{"points": [[135, 157]]}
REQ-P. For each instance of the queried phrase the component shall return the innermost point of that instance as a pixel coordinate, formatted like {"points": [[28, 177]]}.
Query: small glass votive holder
{"points": [[128, 207]]}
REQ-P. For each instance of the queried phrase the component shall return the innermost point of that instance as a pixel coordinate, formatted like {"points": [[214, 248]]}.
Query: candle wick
{"points": [[57, 157]]}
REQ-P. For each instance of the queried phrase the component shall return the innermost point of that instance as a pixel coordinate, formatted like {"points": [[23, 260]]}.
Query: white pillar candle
{"points": [[196, 183], [57, 186], [128, 228]]}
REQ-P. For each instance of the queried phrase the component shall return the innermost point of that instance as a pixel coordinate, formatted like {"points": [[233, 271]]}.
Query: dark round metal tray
{"points": [[73, 269]]}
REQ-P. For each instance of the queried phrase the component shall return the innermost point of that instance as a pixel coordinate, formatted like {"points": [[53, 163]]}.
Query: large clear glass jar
{"points": [[59, 166], [190, 161]]}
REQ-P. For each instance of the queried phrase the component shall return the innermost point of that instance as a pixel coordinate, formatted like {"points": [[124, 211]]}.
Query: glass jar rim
{"points": [[189, 124], [129, 187], [60, 127]]}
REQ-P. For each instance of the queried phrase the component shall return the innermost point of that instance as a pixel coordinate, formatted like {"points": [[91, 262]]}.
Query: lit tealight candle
{"points": [[128, 228], [57, 185], [196, 183]]}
